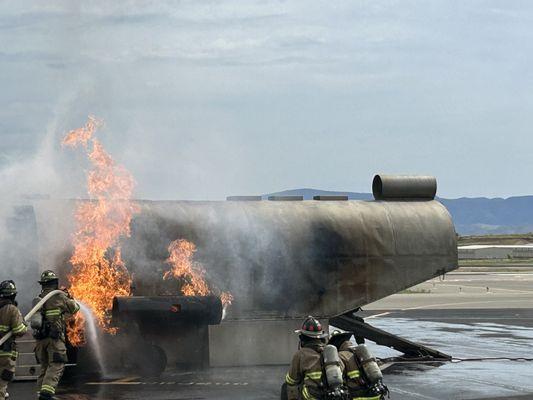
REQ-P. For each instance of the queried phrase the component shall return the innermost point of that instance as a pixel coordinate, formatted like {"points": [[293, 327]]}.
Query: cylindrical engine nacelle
{"points": [[370, 366], [394, 187], [332, 365], [168, 309]]}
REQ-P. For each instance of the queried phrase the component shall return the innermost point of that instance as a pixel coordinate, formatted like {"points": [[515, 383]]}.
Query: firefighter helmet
{"points": [[312, 328], [48, 276], [337, 338], [8, 289]]}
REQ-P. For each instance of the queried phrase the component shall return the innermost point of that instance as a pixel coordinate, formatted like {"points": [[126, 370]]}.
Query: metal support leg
{"points": [[361, 329]]}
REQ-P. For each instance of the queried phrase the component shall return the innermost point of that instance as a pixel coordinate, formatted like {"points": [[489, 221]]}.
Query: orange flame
{"points": [[84, 134], [226, 298], [185, 269], [98, 272], [190, 273]]}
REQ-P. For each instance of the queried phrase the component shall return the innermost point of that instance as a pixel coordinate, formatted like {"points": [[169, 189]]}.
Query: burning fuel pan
{"points": [[170, 309]]}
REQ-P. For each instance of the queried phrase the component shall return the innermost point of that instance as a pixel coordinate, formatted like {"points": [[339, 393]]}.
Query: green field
{"points": [[523, 238]]}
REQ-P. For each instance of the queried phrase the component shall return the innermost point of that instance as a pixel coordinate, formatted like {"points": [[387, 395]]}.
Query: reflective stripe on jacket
{"points": [[354, 375], [10, 321], [306, 370], [58, 309]]}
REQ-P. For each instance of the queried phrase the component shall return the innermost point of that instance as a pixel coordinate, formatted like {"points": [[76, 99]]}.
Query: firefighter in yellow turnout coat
{"points": [[10, 320], [357, 382], [50, 349], [304, 379]]}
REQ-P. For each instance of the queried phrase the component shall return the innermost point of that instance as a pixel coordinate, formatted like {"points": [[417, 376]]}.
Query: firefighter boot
{"points": [[45, 396]]}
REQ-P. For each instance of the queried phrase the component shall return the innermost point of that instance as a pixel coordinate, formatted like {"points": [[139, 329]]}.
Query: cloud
{"points": [[276, 86]]}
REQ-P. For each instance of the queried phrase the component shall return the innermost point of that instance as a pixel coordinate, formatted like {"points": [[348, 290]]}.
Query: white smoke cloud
{"points": [[26, 183]]}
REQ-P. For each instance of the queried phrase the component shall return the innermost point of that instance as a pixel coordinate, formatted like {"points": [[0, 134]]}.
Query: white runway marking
{"points": [[491, 289], [122, 382], [378, 315], [440, 305]]}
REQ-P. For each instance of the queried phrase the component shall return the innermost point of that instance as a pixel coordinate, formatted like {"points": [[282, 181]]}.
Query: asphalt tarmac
{"points": [[466, 290], [488, 344]]}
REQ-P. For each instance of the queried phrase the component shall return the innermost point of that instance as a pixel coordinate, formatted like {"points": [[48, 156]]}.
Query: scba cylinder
{"points": [[332, 365], [36, 320], [370, 366]]}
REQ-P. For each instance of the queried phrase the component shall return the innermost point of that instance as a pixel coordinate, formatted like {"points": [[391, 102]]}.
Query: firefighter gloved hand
{"points": [[379, 389], [64, 289]]}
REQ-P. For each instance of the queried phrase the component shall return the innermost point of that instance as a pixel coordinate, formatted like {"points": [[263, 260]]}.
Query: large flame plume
{"points": [[190, 273], [98, 273]]}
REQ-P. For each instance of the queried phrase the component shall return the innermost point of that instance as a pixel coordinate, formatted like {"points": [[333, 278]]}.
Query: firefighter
{"points": [[304, 379], [50, 349], [360, 385], [10, 320]]}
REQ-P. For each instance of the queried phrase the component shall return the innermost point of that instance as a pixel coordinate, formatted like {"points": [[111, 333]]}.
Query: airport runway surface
{"points": [[465, 290], [488, 344]]}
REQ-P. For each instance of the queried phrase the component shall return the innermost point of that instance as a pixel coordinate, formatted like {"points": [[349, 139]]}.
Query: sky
{"points": [[206, 99]]}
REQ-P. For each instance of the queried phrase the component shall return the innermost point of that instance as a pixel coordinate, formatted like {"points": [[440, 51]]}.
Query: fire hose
{"points": [[36, 308]]}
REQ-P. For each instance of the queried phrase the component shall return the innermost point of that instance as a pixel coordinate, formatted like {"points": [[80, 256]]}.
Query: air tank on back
{"points": [[332, 366]]}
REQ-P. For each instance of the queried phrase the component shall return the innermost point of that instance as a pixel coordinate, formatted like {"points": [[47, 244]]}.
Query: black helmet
{"points": [[312, 328], [7, 289], [337, 338], [48, 276]]}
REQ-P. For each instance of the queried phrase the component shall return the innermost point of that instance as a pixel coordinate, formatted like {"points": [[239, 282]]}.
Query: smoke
{"points": [[246, 249], [249, 249], [27, 184]]}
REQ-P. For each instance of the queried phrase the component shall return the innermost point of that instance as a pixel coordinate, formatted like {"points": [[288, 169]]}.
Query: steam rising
{"points": [[24, 248], [243, 255]]}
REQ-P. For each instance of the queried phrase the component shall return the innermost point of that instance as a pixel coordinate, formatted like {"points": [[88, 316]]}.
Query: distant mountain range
{"points": [[472, 216]]}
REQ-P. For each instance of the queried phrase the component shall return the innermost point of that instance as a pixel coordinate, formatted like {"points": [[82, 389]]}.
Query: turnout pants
{"points": [[7, 370], [52, 355]]}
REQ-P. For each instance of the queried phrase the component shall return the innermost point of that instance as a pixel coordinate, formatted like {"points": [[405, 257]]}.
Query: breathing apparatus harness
{"points": [[41, 324], [32, 312], [370, 379], [45, 328], [331, 385]]}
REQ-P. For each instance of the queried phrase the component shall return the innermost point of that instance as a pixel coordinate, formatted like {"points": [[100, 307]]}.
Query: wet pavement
{"points": [[501, 336]]}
